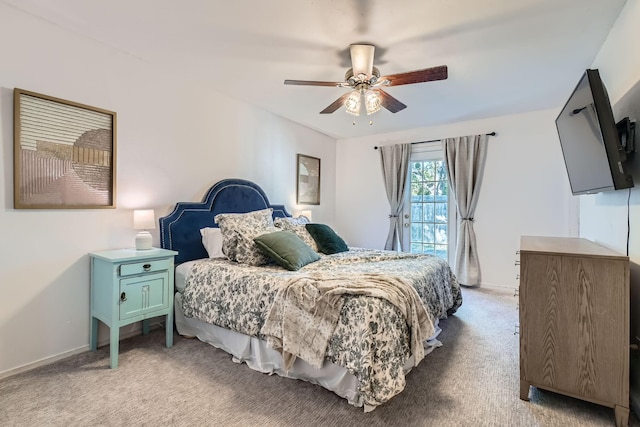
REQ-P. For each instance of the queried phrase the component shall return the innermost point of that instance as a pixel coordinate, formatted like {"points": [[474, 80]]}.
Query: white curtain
{"points": [[395, 166], [465, 158]]}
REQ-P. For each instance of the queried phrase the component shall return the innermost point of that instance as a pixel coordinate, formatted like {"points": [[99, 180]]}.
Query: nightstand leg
{"points": [[169, 329], [93, 334], [114, 344], [145, 327]]}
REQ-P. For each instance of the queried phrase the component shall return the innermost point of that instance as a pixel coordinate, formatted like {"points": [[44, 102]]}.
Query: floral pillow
{"points": [[238, 232], [301, 220], [297, 227]]}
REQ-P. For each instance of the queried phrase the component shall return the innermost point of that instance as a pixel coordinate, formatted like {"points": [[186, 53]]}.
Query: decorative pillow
{"points": [[238, 231], [297, 227], [301, 220], [286, 249], [327, 239], [212, 241]]}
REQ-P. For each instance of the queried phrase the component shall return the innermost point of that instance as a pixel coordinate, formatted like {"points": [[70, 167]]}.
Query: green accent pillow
{"points": [[327, 239], [286, 249]]}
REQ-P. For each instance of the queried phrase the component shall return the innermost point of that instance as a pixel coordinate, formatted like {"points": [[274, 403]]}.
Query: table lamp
{"points": [[143, 220], [302, 213], [306, 214]]}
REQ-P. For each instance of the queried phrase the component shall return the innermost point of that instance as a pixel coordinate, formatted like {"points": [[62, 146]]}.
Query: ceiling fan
{"points": [[366, 83]]}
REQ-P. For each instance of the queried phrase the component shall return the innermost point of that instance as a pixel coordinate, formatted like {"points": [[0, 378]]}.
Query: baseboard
{"points": [[51, 359], [493, 286], [43, 362]]}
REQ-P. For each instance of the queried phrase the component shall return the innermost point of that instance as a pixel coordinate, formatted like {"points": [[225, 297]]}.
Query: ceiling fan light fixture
{"points": [[363, 77], [352, 104], [372, 102]]}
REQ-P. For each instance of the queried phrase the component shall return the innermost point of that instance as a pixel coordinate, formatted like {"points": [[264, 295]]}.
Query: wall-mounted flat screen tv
{"points": [[594, 157]]}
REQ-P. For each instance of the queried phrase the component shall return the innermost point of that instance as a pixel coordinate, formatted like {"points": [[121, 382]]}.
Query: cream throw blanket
{"points": [[306, 310]]}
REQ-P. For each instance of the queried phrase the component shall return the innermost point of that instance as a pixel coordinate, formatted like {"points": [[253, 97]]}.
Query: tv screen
{"points": [[589, 138]]}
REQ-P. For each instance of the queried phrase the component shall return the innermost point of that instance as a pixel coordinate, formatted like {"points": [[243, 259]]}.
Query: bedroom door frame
{"points": [[429, 151]]}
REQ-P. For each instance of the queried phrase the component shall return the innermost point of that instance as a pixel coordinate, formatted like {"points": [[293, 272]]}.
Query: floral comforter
{"points": [[371, 339]]}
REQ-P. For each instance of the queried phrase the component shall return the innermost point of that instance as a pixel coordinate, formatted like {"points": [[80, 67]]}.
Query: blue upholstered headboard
{"points": [[180, 230]]}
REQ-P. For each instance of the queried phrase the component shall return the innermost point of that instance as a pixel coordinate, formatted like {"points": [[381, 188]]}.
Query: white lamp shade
{"points": [[352, 104], [372, 102], [306, 213], [144, 219], [362, 59]]}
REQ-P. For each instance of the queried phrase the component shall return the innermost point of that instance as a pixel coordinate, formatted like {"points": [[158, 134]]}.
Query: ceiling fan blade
{"points": [[336, 104], [389, 102], [418, 76], [312, 83], [362, 59]]}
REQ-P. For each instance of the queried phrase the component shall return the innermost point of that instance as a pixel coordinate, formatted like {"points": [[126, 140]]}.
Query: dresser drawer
{"points": [[144, 267]]}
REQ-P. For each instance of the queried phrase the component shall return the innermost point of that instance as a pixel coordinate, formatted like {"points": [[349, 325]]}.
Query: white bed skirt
{"points": [[260, 357]]}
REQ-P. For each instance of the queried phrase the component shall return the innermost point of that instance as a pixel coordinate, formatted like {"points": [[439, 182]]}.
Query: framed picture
{"points": [[308, 183], [64, 154]]}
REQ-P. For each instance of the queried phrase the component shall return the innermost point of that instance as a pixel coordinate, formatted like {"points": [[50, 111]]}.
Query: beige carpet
{"points": [[472, 380]]}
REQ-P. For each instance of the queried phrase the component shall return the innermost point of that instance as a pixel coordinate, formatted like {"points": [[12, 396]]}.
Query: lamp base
{"points": [[143, 240]]}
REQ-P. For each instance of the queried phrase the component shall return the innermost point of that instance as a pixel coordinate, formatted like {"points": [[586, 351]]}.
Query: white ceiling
{"points": [[504, 56]]}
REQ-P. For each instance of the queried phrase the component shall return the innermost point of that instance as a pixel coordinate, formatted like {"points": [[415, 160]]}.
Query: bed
{"points": [[358, 344]]}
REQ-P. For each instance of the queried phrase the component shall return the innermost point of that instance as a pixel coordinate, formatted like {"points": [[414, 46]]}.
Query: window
{"points": [[428, 209]]}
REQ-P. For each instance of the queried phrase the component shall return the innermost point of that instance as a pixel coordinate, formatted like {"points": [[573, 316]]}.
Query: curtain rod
{"points": [[434, 140]]}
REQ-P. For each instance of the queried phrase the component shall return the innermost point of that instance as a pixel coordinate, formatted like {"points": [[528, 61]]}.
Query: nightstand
{"points": [[127, 286]]}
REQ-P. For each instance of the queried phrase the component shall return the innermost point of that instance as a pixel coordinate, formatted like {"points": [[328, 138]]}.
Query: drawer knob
{"points": [[146, 267], [123, 297]]}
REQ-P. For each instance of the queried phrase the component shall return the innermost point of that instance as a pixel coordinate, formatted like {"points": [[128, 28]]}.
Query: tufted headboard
{"points": [[180, 230]]}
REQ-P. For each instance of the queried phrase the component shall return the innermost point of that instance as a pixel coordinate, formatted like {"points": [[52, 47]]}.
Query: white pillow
{"points": [[212, 241]]}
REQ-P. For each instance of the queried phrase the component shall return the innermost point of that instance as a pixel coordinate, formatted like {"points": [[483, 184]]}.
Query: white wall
{"points": [[603, 217], [524, 191], [176, 137]]}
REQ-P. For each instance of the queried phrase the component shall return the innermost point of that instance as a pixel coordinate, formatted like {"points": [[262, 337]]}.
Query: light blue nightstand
{"points": [[129, 285]]}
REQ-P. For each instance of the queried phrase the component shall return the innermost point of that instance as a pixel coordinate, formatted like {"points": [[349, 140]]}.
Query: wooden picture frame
{"points": [[308, 180], [64, 154]]}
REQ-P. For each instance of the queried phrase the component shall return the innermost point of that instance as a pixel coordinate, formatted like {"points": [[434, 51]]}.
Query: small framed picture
{"points": [[64, 154], [308, 183]]}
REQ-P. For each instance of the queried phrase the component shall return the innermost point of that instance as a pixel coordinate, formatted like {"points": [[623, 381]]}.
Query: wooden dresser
{"points": [[574, 321]]}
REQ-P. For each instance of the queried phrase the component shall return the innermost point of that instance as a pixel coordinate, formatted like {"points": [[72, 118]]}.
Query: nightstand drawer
{"points": [[144, 267], [143, 294]]}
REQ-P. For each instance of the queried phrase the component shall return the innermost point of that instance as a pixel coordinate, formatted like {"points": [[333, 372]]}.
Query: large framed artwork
{"points": [[308, 183], [64, 154]]}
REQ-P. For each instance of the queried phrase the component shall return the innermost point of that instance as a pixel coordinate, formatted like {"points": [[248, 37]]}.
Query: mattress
{"points": [[181, 273]]}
